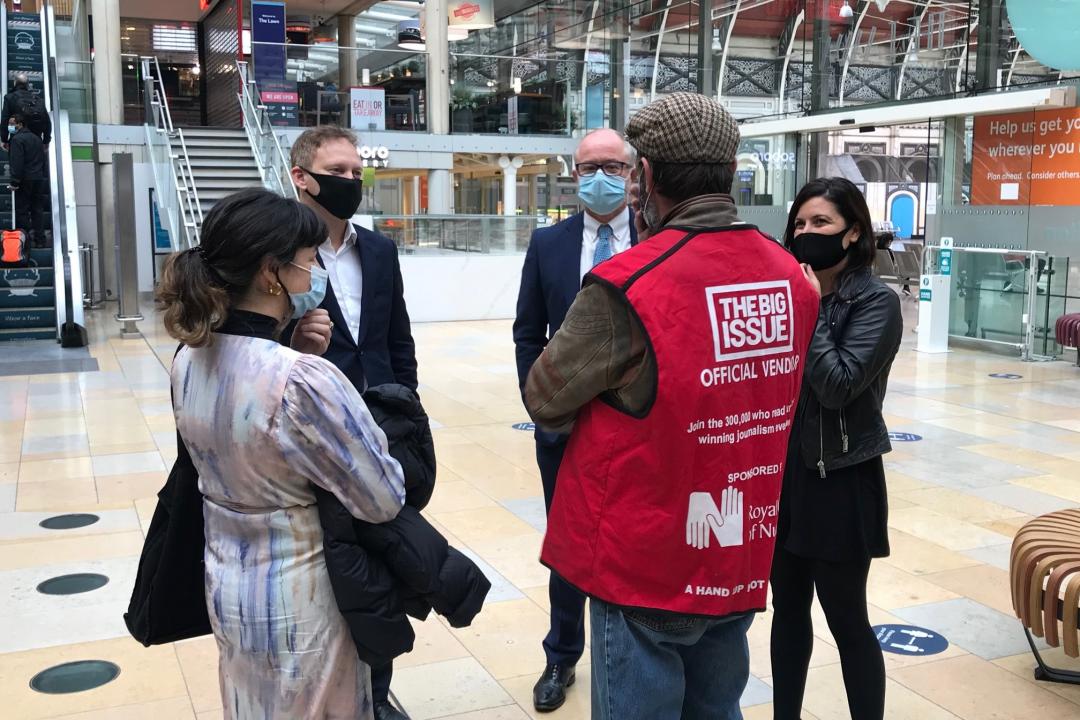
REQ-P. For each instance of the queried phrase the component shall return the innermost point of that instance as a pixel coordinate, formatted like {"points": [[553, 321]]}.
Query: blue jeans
{"points": [[659, 666]]}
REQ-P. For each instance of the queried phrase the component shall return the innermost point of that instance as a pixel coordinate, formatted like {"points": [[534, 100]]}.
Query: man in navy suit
{"points": [[557, 260], [370, 334]]}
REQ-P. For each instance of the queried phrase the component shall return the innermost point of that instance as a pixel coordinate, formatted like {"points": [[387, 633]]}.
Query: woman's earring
{"points": [[274, 289]]}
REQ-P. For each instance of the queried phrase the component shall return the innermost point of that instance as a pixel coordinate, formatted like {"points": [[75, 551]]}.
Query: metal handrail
{"points": [[273, 166], [189, 208]]}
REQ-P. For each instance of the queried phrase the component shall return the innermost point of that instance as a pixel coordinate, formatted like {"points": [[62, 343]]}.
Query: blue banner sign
{"points": [[268, 53], [904, 437], [528, 426]]}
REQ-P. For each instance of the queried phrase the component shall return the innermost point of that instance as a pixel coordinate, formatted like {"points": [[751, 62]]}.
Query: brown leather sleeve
{"points": [[600, 347]]}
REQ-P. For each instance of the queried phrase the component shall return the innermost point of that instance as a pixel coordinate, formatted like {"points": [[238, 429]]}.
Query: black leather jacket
{"points": [[847, 370]]}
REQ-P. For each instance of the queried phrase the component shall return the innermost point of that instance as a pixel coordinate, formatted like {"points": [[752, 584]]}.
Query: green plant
{"points": [[462, 98]]}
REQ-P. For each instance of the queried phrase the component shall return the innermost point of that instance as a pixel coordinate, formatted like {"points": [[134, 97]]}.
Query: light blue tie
{"points": [[603, 245]]}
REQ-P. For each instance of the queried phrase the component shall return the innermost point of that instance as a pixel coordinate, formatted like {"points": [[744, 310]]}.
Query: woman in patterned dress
{"points": [[263, 423]]}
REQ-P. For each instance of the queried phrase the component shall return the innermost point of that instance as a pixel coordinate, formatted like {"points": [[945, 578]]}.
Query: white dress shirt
{"points": [[346, 277], [620, 240]]}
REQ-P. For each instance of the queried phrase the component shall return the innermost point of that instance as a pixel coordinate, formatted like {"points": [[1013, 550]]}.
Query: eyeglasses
{"points": [[611, 169]]}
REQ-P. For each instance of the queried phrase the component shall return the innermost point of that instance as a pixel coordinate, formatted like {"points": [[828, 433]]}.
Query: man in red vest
{"points": [[678, 369]]}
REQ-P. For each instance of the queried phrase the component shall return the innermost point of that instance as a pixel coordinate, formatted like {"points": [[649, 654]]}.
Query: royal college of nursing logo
{"points": [[751, 320]]}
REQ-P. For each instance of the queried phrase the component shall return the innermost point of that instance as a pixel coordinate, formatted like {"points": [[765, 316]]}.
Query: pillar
{"points": [[440, 182], [108, 110], [108, 79], [706, 79], [509, 167], [346, 35], [554, 167], [988, 53], [820, 89], [533, 203], [954, 134]]}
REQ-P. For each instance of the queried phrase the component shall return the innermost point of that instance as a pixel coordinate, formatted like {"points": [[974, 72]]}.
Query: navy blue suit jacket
{"points": [[550, 280], [385, 352]]}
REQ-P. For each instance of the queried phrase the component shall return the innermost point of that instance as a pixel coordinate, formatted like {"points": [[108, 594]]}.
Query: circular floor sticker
{"points": [[74, 677], [909, 640], [524, 426], [1006, 376], [904, 437], [69, 521], [73, 584]]}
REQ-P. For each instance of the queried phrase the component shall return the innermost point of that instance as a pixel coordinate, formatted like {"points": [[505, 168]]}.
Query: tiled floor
{"points": [[100, 437]]}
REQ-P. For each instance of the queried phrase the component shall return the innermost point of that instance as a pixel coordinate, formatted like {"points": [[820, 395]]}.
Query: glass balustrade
{"points": [[448, 234]]}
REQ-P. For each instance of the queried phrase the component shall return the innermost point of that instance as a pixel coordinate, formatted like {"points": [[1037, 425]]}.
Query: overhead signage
{"points": [[24, 48], [368, 108], [1030, 158], [471, 14], [375, 157], [268, 56]]}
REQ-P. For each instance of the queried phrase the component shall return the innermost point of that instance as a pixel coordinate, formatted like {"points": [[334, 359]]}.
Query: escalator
{"points": [[44, 299]]}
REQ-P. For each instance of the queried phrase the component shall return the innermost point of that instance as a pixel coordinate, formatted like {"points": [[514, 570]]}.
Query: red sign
{"points": [[750, 320], [280, 97], [467, 11], [204, 5]]}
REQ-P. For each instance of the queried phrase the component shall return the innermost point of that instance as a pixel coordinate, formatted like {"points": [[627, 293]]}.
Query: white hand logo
{"points": [[726, 522]]}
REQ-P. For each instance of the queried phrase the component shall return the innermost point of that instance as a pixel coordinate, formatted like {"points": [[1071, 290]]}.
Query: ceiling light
{"points": [[196, 71], [409, 37], [846, 12]]}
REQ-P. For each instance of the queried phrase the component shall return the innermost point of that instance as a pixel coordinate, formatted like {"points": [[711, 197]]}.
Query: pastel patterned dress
{"points": [[263, 423]]}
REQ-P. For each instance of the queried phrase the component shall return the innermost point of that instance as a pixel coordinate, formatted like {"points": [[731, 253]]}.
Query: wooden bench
{"points": [[1044, 572]]}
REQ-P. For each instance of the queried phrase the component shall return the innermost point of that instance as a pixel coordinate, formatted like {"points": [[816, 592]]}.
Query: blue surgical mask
{"points": [[11, 129], [603, 194], [304, 302]]}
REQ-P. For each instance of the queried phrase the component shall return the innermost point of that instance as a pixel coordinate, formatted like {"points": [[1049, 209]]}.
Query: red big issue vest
{"points": [[729, 316]]}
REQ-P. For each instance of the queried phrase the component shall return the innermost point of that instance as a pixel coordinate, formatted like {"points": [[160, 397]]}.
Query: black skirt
{"points": [[843, 517]]}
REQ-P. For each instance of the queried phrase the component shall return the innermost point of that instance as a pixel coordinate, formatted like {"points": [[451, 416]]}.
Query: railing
{"points": [[273, 166], [70, 321], [446, 234], [185, 218], [1005, 298]]}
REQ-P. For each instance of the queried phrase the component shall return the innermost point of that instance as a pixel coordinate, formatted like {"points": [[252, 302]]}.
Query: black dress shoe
{"points": [[549, 692], [386, 711]]}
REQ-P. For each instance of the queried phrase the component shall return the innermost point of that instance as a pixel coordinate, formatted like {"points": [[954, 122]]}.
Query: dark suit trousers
{"points": [[29, 206], [380, 682], [565, 641]]}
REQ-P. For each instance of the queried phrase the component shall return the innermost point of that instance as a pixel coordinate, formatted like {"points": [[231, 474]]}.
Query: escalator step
{"points": [[42, 256], [29, 333], [26, 277], [22, 318], [30, 297]]}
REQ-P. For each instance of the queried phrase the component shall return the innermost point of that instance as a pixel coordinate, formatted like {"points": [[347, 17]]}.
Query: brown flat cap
{"points": [[684, 128]]}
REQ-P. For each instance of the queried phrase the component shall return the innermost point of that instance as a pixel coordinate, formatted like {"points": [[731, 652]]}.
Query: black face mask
{"points": [[819, 251], [340, 196]]}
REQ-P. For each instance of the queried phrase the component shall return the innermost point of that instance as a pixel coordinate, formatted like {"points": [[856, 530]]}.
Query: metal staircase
{"points": [[194, 168], [221, 162]]}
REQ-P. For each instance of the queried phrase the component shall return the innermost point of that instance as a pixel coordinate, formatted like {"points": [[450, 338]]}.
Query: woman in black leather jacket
{"points": [[833, 508]]}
